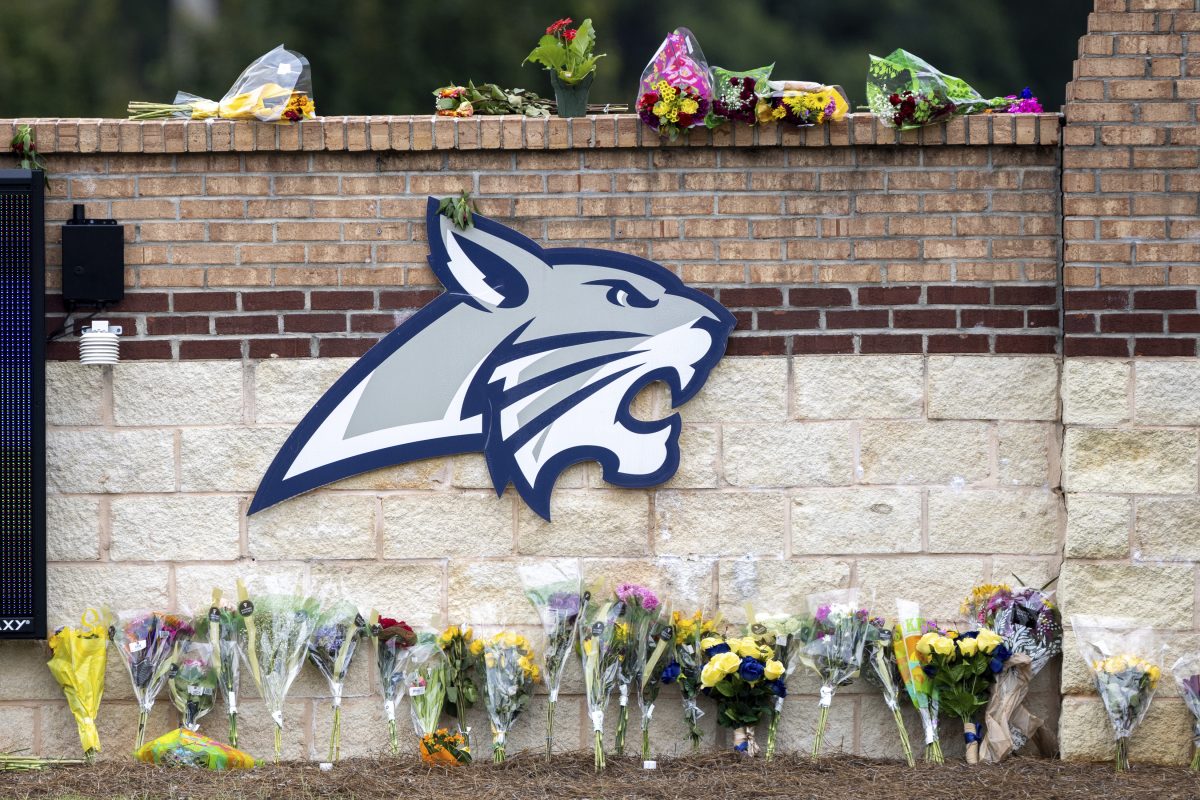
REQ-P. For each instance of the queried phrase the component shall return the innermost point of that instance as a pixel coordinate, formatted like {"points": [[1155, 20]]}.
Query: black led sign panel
{"points": [[22, 407]]}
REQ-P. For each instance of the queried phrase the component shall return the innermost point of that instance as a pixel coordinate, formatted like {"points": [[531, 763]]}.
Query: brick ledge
{"points": [[417, 133]]}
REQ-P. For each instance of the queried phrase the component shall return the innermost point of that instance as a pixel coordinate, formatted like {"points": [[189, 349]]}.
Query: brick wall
{"points": [[301, 242], [1130, 182]]}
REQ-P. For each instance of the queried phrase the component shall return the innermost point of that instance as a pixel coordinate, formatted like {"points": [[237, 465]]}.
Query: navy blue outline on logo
{"points": [[489, 398]]}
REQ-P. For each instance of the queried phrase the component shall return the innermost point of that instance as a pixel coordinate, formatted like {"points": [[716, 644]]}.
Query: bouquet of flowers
{"points": [[742, 676], [464, 655], [685, 669], [276, 87], [735, 95], [567, 52], [1029, 623], [273, 640], [802, 103], [884, 673], [425, 685], [554, 589], [184, 748], [639, 609], [785, 634], [77, 661], [910, 627], [962, 667], [833, 646], [330, 649], [1187, 674], [390, 639], [146, 641], [220, 626], [193, 683], [655, 648], [676, 86], [905, 92], [24, 147], [600, 654], [510, 672], [1124, 660], [489, 99]]}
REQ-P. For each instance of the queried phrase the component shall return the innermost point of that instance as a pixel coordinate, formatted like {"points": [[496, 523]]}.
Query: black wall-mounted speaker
{"points": [[93, 256], [22, 406]]}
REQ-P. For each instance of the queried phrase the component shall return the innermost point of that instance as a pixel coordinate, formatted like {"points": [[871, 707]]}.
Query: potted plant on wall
{"points": [[567, 53]]}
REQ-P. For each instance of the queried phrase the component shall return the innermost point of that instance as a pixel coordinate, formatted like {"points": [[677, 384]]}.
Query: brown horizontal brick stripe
{"points": [[1131, 182]]}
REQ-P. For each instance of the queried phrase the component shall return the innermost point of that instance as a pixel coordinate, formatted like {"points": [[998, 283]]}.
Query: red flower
{"points": [[648, 100], [569, 34], [558, 26], [685, 120]]}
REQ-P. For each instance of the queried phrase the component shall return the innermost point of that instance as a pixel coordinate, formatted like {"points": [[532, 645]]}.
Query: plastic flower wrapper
{"points": [[962, 667], [883, 673], [193, 684], [554, 589], [510, 673], [783, 633], [331, 648], [675, 92], [273, 640], [833, 646], [655, 653], [690, 631], [1124, 658], [600, 656], [146, 642], [735, 95], [1187, 674], [219, 626], [276, 87], [801, 103], [390, 640], [910, 627], [464, 656], [639, 608], [742, 676], [905, 92], [184, 748], [425, 684], [77, 661]]}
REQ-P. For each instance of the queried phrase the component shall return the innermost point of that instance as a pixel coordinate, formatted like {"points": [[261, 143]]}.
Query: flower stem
{"points": [[143, 716], [933, 753], [599, 751], [819, 739], [696, 736], [772, 730], [233, 729], [904, 742], [335, 736], [645, 742], [1122, 754], [278, 741], [1195, 758], [392, 738], [622, 725], [549, 729]]}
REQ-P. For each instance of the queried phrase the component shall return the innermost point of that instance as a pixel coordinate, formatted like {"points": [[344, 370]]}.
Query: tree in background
{"points": [[88, 58]]}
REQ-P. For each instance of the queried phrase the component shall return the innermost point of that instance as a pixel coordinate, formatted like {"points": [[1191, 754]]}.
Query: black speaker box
{"points": [[93, 254]]}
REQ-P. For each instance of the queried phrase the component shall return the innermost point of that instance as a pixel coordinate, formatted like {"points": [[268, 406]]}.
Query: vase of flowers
{"points": [[567, 53]]}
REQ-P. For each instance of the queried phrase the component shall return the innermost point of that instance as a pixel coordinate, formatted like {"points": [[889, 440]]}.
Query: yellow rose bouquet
{"points": [[510, 672], [743, 677], [963, 667], [276, 87], [783, 633], [1124, 659]]}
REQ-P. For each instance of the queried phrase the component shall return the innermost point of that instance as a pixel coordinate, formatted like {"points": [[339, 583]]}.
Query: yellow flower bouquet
{"points": [[78, 660], [802, 103], [963, 667], [510, 672]]}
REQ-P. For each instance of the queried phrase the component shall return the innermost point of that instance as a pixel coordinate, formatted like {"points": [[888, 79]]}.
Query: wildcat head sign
{"points": [[531, 356]]}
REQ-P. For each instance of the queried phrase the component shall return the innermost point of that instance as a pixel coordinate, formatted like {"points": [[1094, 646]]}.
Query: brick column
{"points": [[1130, 182]]}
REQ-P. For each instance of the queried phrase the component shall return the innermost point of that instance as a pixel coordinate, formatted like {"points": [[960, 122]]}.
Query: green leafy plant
{"points": [[459, 209], [25, 149], [567, 51]]}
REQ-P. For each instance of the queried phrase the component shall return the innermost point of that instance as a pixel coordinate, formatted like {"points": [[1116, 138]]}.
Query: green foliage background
{"points": [[90, 57]]}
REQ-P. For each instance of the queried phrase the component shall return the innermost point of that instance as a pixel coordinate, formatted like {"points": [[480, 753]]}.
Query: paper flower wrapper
{"points": [[184, 748]]}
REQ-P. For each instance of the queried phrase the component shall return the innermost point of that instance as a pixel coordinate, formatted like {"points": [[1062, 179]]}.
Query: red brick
{"points": [[407, 298], [891, 343], [1079, 323], [992, 318], [756, 346], [342, 301], [210, 348], [958, 295], [1184, 299], [247, 324], [135, 349], [314, 323], [1144, 346], [1131, 323], [344, 348], [1075, 300], [176, 325], [815, 345], [1024, 295], [743, 320], [139, 301], [204, 301], [957, 343], [889, 295], [1095, 346], [819, 298], [373, 323], [298, 347], [788, 320], [1183, 323], [752, 298], [856, 319], [1041, 318], [924, 318], [1033, 344], [272, 301]]}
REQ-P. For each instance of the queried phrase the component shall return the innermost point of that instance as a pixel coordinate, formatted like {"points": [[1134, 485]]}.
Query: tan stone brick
{"points": [[1095, 392], [857, 387], [993, 521], [285, 390], [858, 520], [319, 525], [1167, 528], [1165, 392], [175, 528], [72, 528], [410, 590], [1085, 733], [116, 724], [791, 454], [418, 524], [993, 387], [741, 390], [924, 452], [717, 523], [488, 593], [26, 679], [1028, 454], [110, 461], [775, 585], [939, 584], [688, 583], [1161, 595], [227, 459], [586, 523], [177, 393], [1143, 461], [71, 589], [1098, 526], [74, 393]]}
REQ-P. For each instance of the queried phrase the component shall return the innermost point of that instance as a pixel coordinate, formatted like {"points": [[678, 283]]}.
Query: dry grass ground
{"points": [[722, 775]]}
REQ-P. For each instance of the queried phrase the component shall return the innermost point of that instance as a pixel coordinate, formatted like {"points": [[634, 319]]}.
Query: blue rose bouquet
{"points": [[742, 676]]}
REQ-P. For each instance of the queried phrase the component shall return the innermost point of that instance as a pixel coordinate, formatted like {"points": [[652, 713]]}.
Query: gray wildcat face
{"points": [[532, 357]]}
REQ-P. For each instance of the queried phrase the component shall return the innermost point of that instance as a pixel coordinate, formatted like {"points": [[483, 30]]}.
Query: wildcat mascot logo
{"points": [[531, 356]]}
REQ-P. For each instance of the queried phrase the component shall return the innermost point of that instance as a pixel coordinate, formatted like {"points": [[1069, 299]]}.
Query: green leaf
{"points": [[585, 38]]}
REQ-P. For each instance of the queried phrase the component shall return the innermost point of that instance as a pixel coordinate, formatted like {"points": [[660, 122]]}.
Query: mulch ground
{"points": [[723, 775]]}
